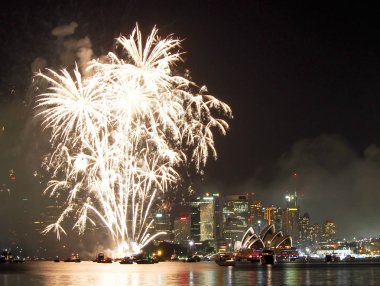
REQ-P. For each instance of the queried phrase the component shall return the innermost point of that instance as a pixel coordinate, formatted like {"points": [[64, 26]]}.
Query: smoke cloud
{"points": [[333, 182]]}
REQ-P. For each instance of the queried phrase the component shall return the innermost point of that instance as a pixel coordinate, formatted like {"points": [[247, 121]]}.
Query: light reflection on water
{"points": [[178, 273]]}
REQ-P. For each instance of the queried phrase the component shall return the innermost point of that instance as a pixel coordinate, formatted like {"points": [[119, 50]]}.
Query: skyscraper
{"points": [[256, 210], [290, 217], [270, 214], [235, 217], [162, 221], [329, 231], [181, 230], [206, 218], [304, 229]]}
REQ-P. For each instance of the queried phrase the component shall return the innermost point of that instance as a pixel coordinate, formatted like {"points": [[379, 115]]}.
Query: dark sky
{"points": [[302, 79]]}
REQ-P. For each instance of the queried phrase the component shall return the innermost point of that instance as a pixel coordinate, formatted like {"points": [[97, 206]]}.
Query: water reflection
{"points": [[177, 273]]}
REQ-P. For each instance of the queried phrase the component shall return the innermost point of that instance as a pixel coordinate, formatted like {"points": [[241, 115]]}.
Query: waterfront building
{"points": [[341, 252], [252, 244]]}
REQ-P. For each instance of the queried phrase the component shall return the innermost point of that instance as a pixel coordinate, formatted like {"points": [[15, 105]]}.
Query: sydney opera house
{"points": [[253, 244]]}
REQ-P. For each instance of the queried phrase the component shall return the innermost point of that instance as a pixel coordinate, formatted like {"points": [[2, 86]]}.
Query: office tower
{"points": [[235, 217], [256, 210], [304, 228], [162, 221], [315, 233], [181, 230], [290, 217], [206, 218], [329, 231], [270, 214]]}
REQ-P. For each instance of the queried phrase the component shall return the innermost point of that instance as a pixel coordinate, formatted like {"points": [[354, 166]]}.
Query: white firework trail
{"points": [[120, 134]]}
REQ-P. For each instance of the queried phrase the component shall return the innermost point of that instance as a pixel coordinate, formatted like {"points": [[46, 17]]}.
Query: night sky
{"points": [[302, 79]]}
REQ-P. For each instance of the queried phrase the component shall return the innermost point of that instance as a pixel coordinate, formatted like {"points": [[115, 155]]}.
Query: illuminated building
{"points": [[329, 231], [252, 244], [162, 222], [206, 218], [209, 222], [304, 229], [256, 210], [181, 230], [195, 228], [271, 214], [235, 217], [290, 217], [315, 232]]}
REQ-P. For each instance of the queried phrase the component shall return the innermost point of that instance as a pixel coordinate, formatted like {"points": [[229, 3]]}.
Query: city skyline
{"points": [[302, 80]]}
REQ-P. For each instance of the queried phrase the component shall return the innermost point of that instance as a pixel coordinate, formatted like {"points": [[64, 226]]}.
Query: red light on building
{"points": [[183, 218], [13, 178]]}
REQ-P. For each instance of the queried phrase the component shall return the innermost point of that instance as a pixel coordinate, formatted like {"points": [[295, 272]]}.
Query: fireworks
{"points": [[121, 132]]}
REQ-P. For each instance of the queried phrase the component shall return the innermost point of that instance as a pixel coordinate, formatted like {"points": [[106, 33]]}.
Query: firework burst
{"points": [[120, 134]]}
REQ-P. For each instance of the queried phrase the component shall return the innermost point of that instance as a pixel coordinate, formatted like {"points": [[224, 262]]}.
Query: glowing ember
{"points": [[120, 134]]}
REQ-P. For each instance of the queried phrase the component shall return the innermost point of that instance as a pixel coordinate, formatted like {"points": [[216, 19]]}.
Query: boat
{"points": [[56, 259], [126, 260], [73, 258], [107, 260], [99, 257], [225, 259], [332, 258], [248, 255], [268, 257], [194, 258], [145, 261]]}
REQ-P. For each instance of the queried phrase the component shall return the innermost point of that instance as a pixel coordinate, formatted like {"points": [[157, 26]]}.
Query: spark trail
{"points": [[120, 135]]}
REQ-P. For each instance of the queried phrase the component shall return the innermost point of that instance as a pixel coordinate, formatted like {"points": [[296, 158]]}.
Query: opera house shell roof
{"points": [[268, 238]]}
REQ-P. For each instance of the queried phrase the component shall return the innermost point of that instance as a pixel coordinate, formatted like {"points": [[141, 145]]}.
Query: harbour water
{"points": [[180, 273]]}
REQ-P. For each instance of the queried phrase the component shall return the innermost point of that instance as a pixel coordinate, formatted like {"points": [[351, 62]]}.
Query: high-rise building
{"points": [[235, 217], [329, 231], [207, 221], [304, 229], [162, 222], [315, 233], [290, 217], [256, 210], [181, 230], [270, 214], [206, 218], [195, 217]]}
